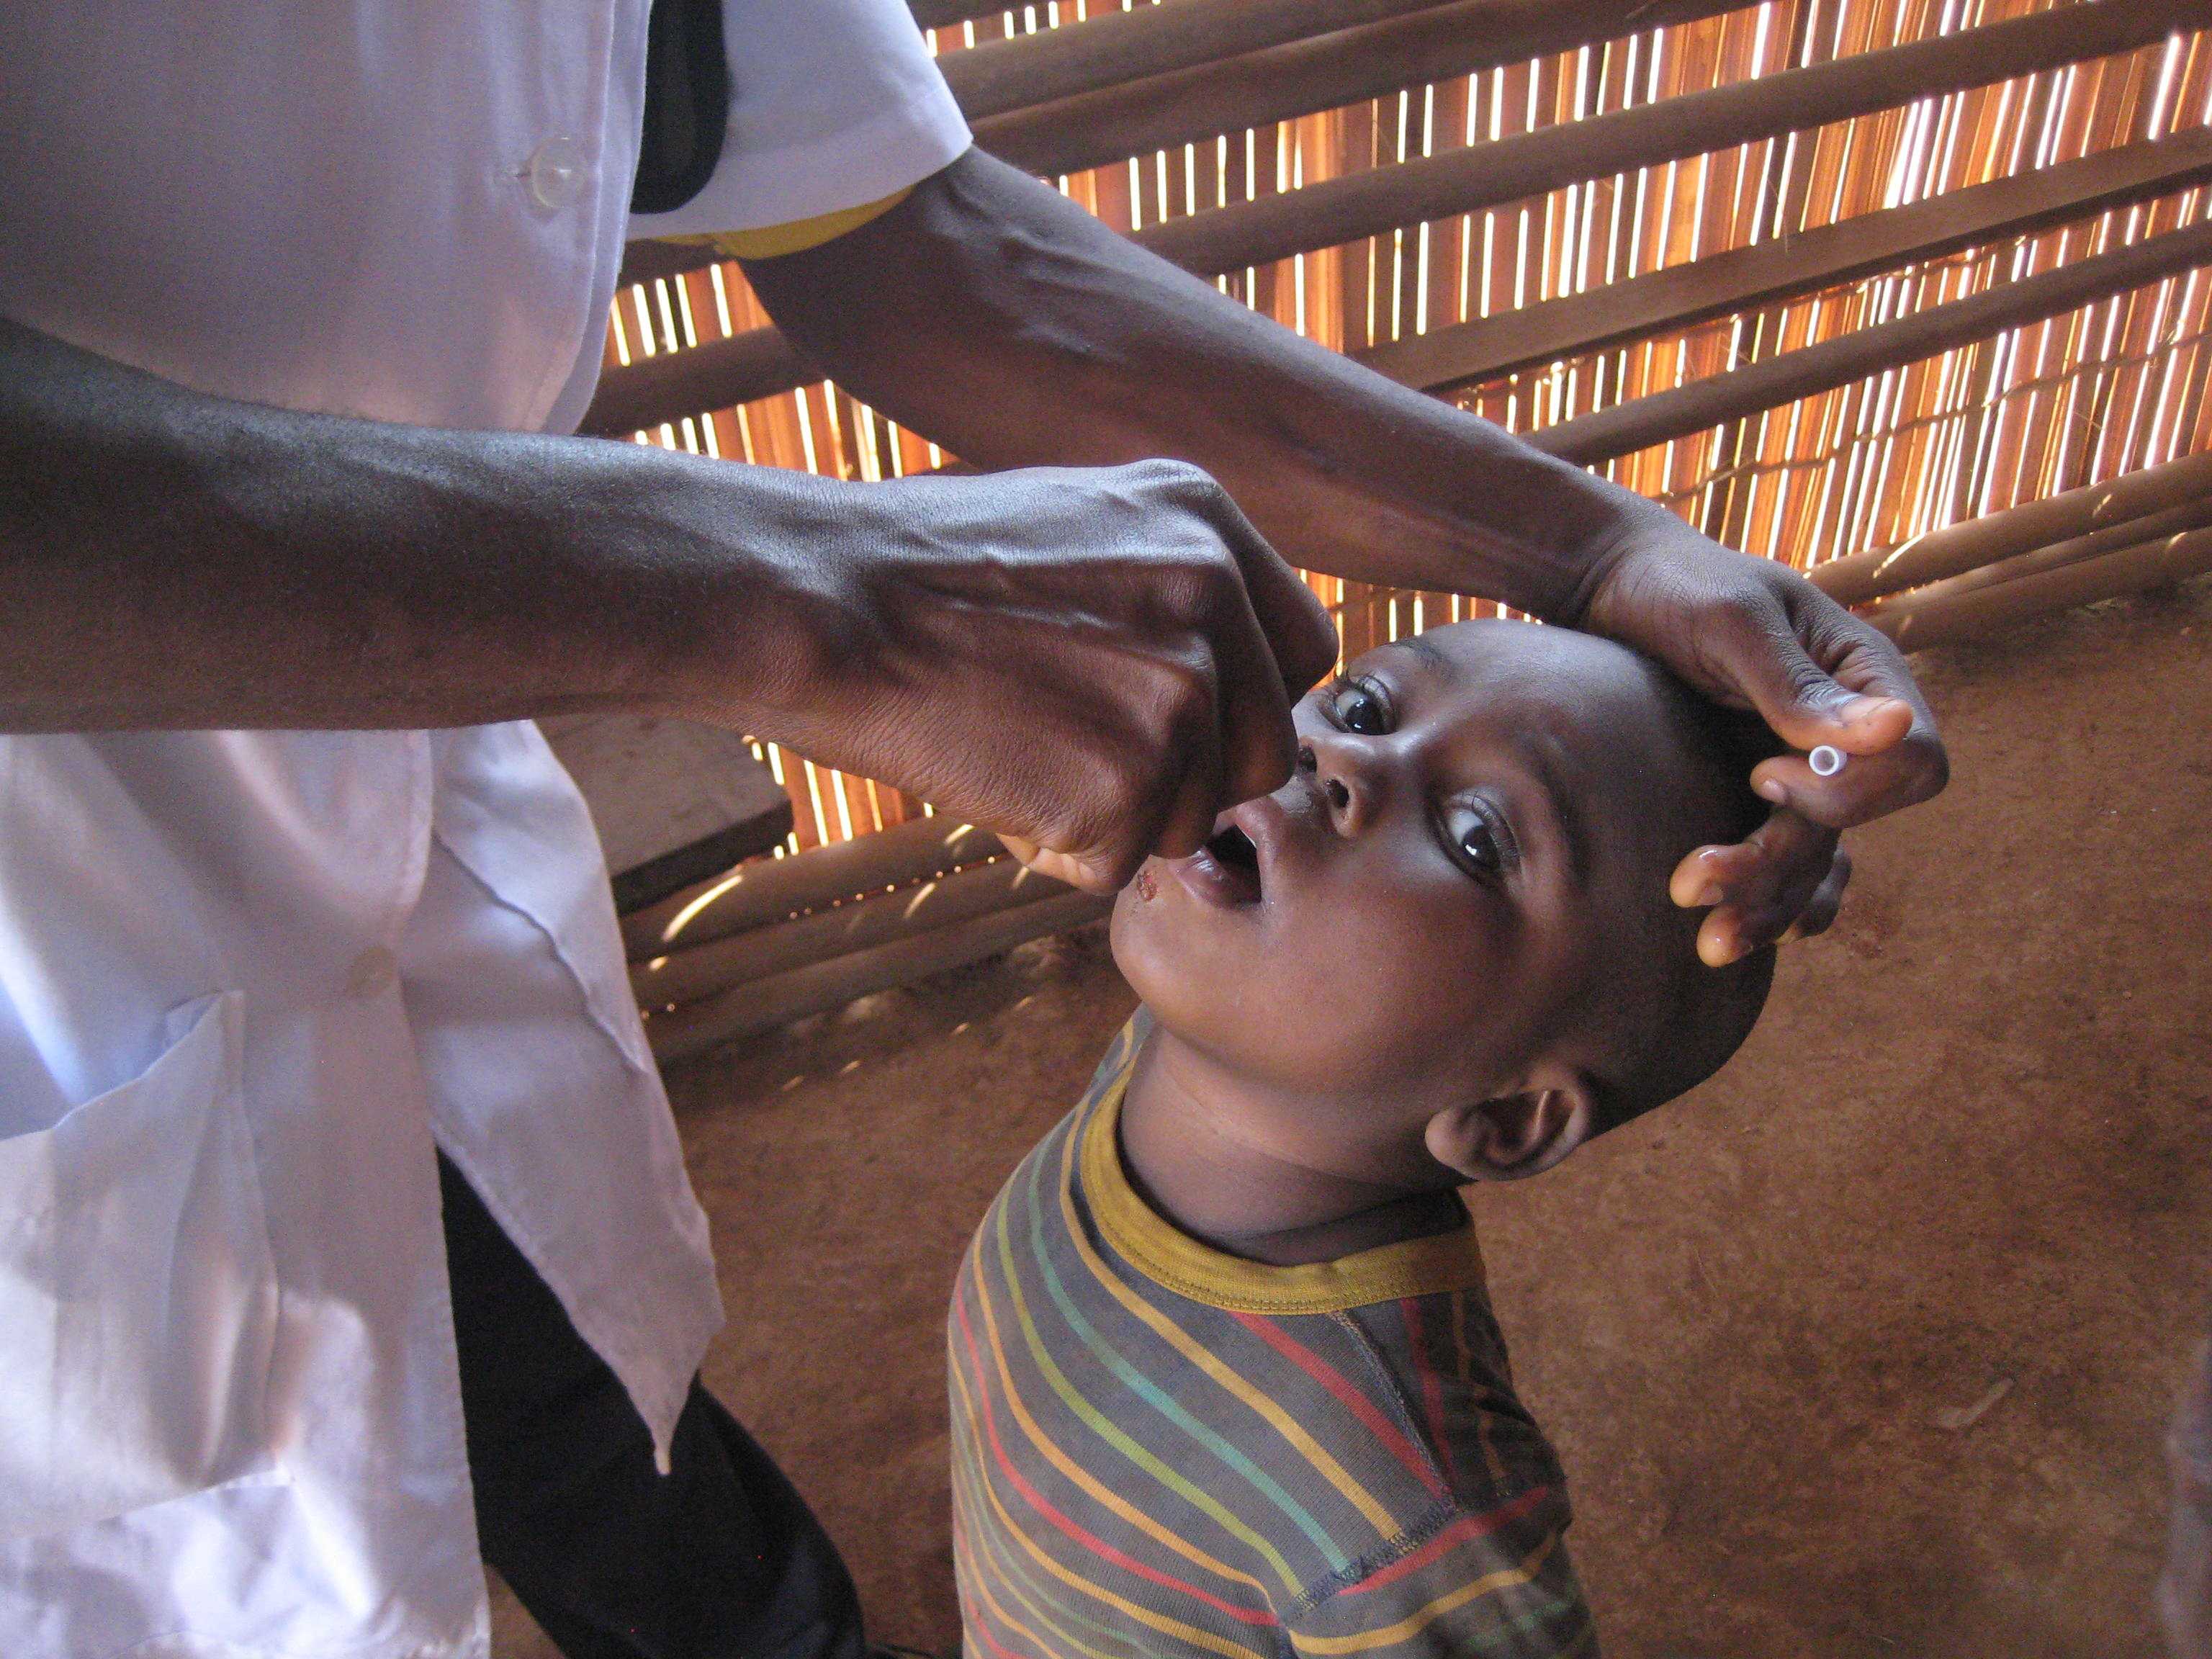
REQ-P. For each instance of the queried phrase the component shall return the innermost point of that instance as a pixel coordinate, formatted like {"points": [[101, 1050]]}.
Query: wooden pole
{"points": [[948, 14], [757, 364], [1339, 210], [1702, 404], [763, 1004], [686, 975], [1789, 266], [1433, 42], [770, 890], [1192, 105], [1116, 47], [1918, 622], [647, 260], [2173, 525], [2091, 510], [717, 374]]}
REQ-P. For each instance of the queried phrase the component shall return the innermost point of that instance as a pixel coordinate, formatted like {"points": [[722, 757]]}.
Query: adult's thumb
{"points": [[1804, 704], [1071, 868]]}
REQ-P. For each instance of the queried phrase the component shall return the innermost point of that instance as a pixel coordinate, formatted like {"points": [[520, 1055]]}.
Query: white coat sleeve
{"points": [[833, 104]]}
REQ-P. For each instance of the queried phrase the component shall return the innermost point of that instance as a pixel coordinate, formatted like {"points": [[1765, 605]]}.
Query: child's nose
{"points": [[1336, 770]]}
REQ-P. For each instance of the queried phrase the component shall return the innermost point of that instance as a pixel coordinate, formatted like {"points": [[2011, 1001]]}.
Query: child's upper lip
{"points": [[1264, 823]]}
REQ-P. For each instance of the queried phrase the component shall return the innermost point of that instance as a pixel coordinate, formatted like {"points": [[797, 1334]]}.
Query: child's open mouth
{"points": [[1233, 850], [1226, 872]]}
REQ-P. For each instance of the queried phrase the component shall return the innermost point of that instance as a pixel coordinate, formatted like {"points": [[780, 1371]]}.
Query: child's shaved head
{"points": [[1668, 1021]]}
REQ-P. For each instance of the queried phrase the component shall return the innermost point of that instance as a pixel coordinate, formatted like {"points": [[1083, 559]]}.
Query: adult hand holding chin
{"points": [[1092, 662], [1751, 634]]}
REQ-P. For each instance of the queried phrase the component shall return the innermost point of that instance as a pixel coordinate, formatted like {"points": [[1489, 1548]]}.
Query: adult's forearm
{"points": [[169, 559], [1011, 326], [1092, 662]]}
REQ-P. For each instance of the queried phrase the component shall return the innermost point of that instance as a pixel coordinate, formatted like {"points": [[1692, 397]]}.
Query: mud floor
{"points": [[1862, 1350]]}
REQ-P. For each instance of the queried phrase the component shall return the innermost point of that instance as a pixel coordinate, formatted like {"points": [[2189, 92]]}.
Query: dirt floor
{"points": [[1963, 1163]]}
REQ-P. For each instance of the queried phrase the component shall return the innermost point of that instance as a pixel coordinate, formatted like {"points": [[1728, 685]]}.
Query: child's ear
{"points": [[1510, 1136]]}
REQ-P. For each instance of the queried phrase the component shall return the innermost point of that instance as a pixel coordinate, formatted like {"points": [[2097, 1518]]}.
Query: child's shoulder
{"points": [[1445, 1362]]}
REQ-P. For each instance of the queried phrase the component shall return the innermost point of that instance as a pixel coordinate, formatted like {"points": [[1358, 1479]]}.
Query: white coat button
{"points": [[373, 972], [556, 173]]}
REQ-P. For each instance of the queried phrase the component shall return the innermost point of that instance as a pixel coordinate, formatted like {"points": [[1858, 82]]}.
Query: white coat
{"points": [[248, 979]]}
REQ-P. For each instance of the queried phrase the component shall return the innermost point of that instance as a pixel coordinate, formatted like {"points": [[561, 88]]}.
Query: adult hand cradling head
{"points": [[1752, 634]]}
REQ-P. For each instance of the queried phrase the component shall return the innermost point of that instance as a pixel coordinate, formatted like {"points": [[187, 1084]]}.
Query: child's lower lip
{"points": [[1213, 883]]}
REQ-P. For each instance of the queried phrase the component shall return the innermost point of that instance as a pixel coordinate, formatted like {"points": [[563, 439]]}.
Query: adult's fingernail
{"points": [[1861, 707], [1774, 790], [1710, 895]]}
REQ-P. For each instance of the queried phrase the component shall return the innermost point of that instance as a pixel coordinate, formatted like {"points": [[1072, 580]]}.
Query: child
{"points": [[1224, 1377]]}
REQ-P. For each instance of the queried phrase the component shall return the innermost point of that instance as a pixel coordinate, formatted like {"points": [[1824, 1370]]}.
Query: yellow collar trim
{"points": [[1173, 1259]]}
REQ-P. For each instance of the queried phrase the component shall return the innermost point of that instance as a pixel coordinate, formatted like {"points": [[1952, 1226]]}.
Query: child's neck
{"points": [[1190, 1145]]}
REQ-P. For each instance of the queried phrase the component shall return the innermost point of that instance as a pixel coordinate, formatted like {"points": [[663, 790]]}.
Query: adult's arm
{"points": [[1097, 660], [1014, 328]]}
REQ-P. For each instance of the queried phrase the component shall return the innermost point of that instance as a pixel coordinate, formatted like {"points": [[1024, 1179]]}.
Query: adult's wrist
{"points": [[1455, 503], [752, 585], [1629, 532]]}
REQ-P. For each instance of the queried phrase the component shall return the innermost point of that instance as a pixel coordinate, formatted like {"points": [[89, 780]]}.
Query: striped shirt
{"points": [[1161, 1450]]}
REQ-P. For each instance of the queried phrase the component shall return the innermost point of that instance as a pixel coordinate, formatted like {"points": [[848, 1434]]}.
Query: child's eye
{"points": [[1361, 706], [1478, 840]]}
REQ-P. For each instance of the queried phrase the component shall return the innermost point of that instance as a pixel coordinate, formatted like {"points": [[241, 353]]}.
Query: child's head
{"points": [[1445, 947]]}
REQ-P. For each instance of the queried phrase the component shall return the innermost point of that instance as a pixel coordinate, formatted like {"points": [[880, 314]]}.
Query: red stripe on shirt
{"points": [[1459, 1531], [1271, 1332], [1432, 1388], [973, 1613], [1097, 1546]]}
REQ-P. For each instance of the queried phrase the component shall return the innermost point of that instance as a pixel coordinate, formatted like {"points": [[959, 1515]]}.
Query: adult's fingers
{"points": [[1758, 888], [1870, 784], [1169, 790], [1075, 870], [1257, 741], [1894, 757], [1182, 829], [1105, 867], [1820, 910], [1270, 638], [1300, 636], [1296, 623], [1204, 720], [1173, 828], [1818, 675]]}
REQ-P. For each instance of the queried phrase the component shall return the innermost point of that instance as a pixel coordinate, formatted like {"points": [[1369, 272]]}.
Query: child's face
{"points": [[1482, 821]]}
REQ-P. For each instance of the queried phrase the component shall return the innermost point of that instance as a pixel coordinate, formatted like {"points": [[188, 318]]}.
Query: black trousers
{"points": [[720, 1558]]}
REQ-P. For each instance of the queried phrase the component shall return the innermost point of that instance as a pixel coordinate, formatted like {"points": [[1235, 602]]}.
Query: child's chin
{"points": [[1169, 958]]}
